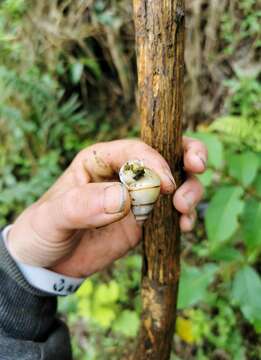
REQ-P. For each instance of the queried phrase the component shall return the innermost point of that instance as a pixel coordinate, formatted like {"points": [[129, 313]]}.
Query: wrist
{"points": [[34, 242], [48, 281]]}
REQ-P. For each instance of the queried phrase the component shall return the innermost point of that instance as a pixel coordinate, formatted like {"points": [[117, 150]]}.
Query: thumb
{"points": [[43, 233], [89, 206]]}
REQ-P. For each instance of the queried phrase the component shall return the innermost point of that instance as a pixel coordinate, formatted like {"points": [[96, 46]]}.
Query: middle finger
{"points": [[188, 195]]}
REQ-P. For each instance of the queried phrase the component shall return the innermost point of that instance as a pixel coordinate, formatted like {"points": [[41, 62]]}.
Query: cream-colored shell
{"points": [[144, 189]]}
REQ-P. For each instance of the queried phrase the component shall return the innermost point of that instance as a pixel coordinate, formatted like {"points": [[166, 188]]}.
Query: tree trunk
{"points": [[159, 28]]}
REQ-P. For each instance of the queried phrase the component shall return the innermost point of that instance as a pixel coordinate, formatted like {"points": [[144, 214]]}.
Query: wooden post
{"points": [[159, 26]]}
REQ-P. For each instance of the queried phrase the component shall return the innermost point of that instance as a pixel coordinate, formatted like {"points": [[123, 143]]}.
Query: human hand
{"points": [[83, 222]]}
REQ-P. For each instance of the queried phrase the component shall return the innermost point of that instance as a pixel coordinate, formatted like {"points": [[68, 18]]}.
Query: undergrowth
{"points": [[62, 90]]}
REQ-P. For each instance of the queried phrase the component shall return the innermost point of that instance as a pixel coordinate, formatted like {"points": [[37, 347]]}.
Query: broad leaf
{"points": [[127, 323], [84, 307], [104, 315], [243, 167], [107, 293], [193, 284], [252, 224], [226, 253], [222, 213], [86, 289], [246, 292]]}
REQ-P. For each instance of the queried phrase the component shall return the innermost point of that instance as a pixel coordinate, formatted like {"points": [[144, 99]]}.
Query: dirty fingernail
{"points": [[114, 199], [171, 179], [203, 159]]}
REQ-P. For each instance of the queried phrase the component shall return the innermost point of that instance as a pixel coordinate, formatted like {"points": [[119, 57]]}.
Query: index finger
{"points": [[195, 155], [104, 160]]}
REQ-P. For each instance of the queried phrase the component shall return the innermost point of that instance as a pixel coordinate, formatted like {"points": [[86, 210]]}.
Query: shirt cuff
{"points": [[26, 313], [45, 280]]}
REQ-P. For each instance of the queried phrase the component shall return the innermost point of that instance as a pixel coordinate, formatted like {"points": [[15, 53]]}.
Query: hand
{"points": [[84, 222], [191, 191]]}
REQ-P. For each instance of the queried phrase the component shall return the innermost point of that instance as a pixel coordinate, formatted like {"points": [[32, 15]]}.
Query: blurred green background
{"points": [[68, 79]]}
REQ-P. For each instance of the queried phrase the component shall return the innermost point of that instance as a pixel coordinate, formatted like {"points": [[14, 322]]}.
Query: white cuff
{"points": [[43, 279]]}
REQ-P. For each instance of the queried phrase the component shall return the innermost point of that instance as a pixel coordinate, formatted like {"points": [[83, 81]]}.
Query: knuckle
{"points": [[197, 145], [196, 186], [192, 143], [141, 145], [97, 146], [89, 149]]}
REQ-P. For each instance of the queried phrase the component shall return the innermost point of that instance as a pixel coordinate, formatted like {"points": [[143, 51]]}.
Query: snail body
{"points": [[143, 185]]}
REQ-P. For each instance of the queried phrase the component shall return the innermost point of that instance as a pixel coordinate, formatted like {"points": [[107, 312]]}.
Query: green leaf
{"points": [[193, 284], [243, 167], [226, 253], [94, 66], [215, 148], [76, 72], [133, 262], [222, 214], [252, 223], [207, 177], [127, 323], [107, 293], [84, 308], [230, 125], [103, 315], [239, 130], [246, 292], [86, 289]]}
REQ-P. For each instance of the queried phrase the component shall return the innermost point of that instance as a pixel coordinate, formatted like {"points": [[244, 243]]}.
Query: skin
{"points": [[83, 222]]}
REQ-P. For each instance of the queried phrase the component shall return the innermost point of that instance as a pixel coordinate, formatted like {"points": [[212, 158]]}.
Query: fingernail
{"points": [[171, 179], [190, 199], [114, 199], [202, 159]]}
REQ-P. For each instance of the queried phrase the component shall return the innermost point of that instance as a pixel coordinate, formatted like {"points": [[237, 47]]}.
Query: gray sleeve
{"points": [[29, 328]]}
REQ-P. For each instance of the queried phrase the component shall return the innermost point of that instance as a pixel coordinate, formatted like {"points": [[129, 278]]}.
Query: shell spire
{"points": [[143, 185]]}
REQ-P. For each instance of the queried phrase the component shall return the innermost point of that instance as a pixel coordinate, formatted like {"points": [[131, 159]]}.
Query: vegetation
{"points": [[67, 79]]}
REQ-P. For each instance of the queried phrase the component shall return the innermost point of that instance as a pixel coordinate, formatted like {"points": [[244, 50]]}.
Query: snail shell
{"points": [[143, 185]]}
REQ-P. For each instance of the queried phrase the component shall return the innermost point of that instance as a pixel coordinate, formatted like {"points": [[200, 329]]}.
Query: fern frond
{"points": [[240, 130]]}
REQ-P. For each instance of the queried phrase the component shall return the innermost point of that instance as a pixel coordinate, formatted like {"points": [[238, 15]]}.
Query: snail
{"points": [[143, 185]]}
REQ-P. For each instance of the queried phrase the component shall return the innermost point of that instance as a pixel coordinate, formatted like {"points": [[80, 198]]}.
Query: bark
{"points": [[159, 26]]}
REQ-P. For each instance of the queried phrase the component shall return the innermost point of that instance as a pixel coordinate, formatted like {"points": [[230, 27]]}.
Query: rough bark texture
{"points": [[159, 26]]}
